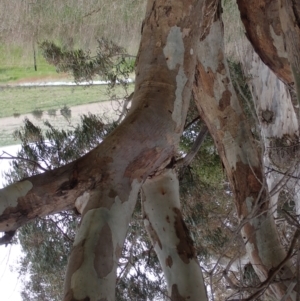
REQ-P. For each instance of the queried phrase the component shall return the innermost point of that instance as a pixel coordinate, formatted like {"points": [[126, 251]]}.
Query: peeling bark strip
{"points": [[232, 136], [175, 251], [265, 32]]}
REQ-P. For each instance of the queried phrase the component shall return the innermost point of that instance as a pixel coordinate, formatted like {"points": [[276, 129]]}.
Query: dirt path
{"points": [[9, 124]]}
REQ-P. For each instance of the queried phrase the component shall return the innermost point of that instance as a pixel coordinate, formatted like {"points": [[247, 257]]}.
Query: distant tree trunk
{"points": [[170, 237], [220, 109]]}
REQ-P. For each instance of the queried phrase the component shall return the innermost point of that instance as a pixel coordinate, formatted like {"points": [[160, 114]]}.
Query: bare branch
{"points": [[194, 149]]}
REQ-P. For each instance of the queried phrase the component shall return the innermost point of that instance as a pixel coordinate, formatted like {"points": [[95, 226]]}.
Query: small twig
{"points": [[23, 159], [191, 122]]}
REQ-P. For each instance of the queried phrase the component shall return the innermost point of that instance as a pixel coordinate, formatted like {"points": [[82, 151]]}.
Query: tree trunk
{"points": [[278, 123], [170, 237], [220, 109], [146, 141], [264, 31], [108, 178]]}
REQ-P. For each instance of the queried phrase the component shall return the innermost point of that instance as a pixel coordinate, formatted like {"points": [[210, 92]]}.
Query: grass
{"points": [[24, 70], [24, 100], [12, 74]]}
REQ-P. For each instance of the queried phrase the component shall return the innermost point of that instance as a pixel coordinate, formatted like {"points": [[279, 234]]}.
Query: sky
{"points": [[10, 284]]}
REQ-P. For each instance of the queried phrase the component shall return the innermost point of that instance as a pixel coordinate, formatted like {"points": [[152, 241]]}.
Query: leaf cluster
{"points": [[111, 62]]}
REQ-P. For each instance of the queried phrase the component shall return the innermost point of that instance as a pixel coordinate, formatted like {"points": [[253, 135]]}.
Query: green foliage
{"points": [[204, 199], [111, 62], [139, 273], [46, 243], [69, 23]]}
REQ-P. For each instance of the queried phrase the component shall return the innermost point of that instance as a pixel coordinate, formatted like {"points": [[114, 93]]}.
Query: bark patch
{"points": [[185, 248], [175, 296], [103, 261], [267, 116], [247, 183], [154, 236], [169, 261], [142, 164], [205, 79], [225, 100]]}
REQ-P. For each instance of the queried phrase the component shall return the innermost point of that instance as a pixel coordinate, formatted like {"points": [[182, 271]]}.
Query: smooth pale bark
{"points": [[264, 31], [278, 123], [220, 109], [170, 237]]}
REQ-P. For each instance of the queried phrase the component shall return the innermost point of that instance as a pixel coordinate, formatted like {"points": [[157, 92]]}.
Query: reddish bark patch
{"points": [[169, 261], [175, 296], [225, 100], [247, 183], [266, 14], [154, 236], [143, 164], [205, 80], [185, 247], [103, 261]]}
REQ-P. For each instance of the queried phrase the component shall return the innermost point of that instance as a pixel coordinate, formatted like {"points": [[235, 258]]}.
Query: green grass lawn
{"points": [[23, 69], [23, 100], [11, 74]]}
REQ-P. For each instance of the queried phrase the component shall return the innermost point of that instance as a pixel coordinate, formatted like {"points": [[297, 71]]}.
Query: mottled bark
{"points": [[278, 123], [143, 143], [220, 109], [264, 31], [106, 180], [170, 237]]}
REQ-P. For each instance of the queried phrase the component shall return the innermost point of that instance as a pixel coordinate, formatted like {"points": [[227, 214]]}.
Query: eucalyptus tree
{"points": [[181, 48]]}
